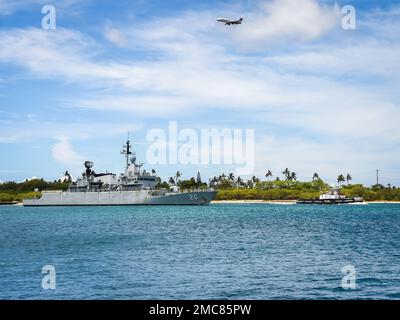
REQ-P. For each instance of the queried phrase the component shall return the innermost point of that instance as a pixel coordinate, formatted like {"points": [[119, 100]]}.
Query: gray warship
{"points": [[133, 187]]}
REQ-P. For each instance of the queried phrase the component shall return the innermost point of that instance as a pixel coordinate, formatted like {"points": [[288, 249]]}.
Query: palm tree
{"points": [[212, 181], [153, 172], [348, 178], [268, 174], [315, 176], [340, 179], [171, 180], [231, 177], [286, 173], [67, 176], [239, 181], [293, 176], [255, 180], [177, 176]]}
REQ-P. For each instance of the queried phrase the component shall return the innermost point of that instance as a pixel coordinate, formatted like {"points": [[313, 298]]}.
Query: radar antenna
{"points": [[126, 150]]}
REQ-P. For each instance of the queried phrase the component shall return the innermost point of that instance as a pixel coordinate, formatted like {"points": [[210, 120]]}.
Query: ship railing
{"points": [[53, 191], [195, 190]]}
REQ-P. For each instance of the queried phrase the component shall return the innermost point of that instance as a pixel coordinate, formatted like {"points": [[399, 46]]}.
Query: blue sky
{"points": [[319, 98]]}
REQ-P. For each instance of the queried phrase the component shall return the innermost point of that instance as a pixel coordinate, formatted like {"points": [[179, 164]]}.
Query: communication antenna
{"points": [[126, 150]]}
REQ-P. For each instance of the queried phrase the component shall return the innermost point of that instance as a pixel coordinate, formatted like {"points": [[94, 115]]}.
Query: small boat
{"points": [[332, 197]]}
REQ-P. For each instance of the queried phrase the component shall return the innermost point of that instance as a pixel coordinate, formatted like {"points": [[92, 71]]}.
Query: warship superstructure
{"points": [[133, 187]]}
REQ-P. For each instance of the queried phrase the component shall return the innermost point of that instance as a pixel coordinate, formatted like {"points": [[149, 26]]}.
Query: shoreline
{"points": [[287, 202], [253, 201], [383, 202], [10, 203]]}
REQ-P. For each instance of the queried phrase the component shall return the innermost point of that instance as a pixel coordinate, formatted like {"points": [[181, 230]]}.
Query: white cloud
{"points": [[8, 7], [328, 158], [115, 36], [64, 153], [197, 72], [30, 179], [280, 20], [338, 60], [29, 130], [147, 106]]}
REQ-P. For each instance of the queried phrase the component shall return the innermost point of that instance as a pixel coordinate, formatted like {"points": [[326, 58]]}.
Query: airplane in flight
{"points": [[229, 22]]}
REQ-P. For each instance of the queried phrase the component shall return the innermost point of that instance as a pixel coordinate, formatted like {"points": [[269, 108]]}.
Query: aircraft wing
{"points": [[223, 20]]}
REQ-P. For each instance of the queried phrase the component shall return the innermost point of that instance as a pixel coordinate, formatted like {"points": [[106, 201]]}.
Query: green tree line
{"points": [[230, 187], [14, 191]]}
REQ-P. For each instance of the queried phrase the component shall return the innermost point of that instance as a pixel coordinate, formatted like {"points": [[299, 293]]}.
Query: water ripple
{"points": [[218, 252]]}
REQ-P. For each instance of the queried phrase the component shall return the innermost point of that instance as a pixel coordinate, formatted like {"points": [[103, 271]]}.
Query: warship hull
{"points": [[132, 187], [118, 198]]}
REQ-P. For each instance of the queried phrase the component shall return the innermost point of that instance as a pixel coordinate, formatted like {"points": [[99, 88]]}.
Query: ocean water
{"points": [[224, 251]]}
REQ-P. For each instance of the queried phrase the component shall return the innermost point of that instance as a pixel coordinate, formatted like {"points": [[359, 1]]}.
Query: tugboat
{"points": [[133, 187], [332, 197]]}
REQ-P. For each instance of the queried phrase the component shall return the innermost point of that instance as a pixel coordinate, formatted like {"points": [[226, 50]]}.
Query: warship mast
{"points": [[126, 150]]}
